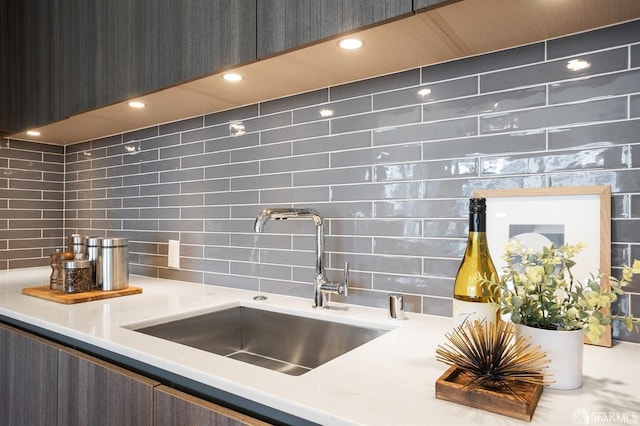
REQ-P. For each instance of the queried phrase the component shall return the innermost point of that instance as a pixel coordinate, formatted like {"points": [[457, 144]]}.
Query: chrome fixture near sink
{"points": [[322, 287]]}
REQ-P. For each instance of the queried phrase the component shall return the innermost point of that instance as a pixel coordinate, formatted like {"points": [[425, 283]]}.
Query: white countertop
{"points": [[388, 381]]}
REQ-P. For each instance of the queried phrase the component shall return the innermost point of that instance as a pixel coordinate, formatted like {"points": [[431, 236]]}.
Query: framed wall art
{"points": [[560, 215]]}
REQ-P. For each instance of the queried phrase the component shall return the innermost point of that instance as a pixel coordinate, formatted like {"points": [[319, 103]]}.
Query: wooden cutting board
{"points": [[44, 292]]}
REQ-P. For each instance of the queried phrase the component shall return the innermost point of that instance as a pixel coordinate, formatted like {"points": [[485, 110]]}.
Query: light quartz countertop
{"points": [[388, 381]]}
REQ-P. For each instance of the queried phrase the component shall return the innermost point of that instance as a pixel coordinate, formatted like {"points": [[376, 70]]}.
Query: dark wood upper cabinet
{"points": [[199, 37], [288, 24], [109, 51]]}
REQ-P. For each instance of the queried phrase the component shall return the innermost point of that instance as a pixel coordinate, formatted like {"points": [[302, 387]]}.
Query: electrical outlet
{"points": [[174, 254]]}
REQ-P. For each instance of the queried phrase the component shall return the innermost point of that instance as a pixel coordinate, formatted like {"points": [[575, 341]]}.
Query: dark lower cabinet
{"points": [[175, 408], [46, 384], [94, 392], [28, 379]]}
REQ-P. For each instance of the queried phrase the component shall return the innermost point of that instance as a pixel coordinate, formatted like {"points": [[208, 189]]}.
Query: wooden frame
{"points": [[581, 214]]}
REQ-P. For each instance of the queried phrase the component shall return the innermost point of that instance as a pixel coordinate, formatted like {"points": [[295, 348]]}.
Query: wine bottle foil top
{"points": [[477, 205]]}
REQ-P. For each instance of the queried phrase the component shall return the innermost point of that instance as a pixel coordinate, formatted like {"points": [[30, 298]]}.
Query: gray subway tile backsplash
{"points": [[391, 171]]}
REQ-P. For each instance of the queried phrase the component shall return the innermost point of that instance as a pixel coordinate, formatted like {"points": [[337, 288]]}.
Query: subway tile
{"points": [[634, 106], [332, 110], [562, 115], [357, 209], [380, 155], [301, 162], [597, 158], [426, 93], [375, 263], [286, 287], [277, 272], [378, 120], [234, 281], [445, 228], [298, 131], [601, 62], [204, 239], [427, 132], [261, 182], [625, 230], [212, 132], [232, 170], [140, 179], [160, 189], [379, 227], [228, 225], [230, 198], [533, 140], [204, 212], [420, 208], [486, 104], [181, 126], [347, 244], [294, 195], [620, 180], [232, 142], [332, 176], [261, 152], [138, 156], [594, 87], [131, 191], [621, 206], [181, 275], [484, 63], [635, 156], [159, 213], [135, 135], [594, 135], [594, 40], [294, 102], [181, 175], [376, 84], [264, 241], [180, 200], [264, 123], [159, 142], [131, 169], [426, 170], [181, 225], [208, 265], [376, 191], [439, 306], [332, 143], [123, 214], [103, 162], [232, 253], [241, 113], [208, 185], [635, 56], [183, 150], [202, 160]]}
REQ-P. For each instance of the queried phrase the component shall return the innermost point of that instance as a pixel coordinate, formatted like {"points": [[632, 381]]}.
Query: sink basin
{"points": [[286, 343]]}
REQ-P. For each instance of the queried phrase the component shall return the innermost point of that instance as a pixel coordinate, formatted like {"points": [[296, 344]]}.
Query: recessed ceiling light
{"points": [[136, 104], [33, 133], [350, 43], [232, 76]]}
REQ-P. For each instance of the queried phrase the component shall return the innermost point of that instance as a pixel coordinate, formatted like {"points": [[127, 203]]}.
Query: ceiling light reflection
{"points": [[578, 65]]}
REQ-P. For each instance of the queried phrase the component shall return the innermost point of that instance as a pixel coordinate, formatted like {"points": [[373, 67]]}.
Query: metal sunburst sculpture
{"points": [[493, 356]]}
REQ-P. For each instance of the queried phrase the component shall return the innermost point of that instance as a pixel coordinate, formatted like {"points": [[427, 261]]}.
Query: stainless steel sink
{"points": [[286, 343]]}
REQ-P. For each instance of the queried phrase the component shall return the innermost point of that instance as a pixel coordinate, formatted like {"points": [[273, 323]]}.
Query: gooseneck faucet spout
{"points": [[322, 287]]}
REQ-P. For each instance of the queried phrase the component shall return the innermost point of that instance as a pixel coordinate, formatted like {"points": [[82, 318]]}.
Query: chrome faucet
{"points": [[322, 287]]}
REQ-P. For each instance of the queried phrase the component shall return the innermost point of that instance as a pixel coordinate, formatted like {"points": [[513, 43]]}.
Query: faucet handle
{"points": [[345, 286]]}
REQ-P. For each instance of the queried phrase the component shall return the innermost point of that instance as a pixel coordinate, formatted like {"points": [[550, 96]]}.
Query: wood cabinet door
{"points": [[94, 392], [288, 24], [175, 408], [28, 379]]}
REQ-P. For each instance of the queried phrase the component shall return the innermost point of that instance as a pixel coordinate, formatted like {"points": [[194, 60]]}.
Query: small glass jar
{"points": [[77, 276]]}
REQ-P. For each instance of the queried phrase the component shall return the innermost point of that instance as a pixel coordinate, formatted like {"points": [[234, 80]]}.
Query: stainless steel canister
{"points": [[76, 276], [77, 246], [93, 252], [113, 264]]}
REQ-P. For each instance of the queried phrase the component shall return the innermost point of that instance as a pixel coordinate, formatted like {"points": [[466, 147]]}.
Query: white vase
{"points": [[564, 349]]}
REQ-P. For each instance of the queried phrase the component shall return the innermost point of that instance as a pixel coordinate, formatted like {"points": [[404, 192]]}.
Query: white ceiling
{"points": [[460, 29]]}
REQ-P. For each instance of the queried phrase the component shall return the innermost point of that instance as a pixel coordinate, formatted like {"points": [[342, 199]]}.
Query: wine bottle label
{"points": [[470, 311]]}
